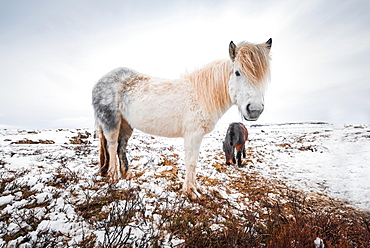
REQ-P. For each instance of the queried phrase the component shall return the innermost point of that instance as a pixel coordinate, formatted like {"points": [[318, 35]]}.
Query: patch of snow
{"points": [[319, 243], [6, 199]]}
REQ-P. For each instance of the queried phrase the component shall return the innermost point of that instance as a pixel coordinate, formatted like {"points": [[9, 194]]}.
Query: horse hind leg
{"points": [[108, 152], [239, 150], [125, 133], [104, 155]]}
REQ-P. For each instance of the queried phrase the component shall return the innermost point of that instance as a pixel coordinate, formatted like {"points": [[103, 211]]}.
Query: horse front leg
{"points": [[233, 156], [239, 157], [191, 145]]}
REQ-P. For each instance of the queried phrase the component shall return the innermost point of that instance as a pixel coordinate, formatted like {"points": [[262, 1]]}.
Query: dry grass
{"points": [[33, 142]]}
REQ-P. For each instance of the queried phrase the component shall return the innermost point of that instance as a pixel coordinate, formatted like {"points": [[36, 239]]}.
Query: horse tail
{"points": [[104, 154]]}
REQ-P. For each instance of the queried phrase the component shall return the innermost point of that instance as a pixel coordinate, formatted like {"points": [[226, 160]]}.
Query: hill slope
{"points": [[50, 190]]}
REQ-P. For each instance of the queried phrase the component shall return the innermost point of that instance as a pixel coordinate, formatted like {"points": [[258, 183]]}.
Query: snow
{"points": [[6, 199], [317, 158], [319, 243], [331, 159]]}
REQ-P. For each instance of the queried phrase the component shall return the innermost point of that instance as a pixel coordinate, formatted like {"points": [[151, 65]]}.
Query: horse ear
{"points": [[269, 43], [232, 51]]}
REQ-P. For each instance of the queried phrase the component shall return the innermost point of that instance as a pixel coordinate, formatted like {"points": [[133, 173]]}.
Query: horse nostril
{"points": [[255, 109]]}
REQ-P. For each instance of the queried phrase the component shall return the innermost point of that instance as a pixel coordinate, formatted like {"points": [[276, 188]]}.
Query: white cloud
{"points": [[55, 53]]}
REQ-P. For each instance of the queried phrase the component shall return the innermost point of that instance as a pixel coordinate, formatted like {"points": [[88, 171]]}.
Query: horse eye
{"points": [[237, 73]]}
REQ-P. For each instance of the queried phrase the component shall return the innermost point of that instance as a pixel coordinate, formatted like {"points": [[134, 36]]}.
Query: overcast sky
{"points": [[53, 52]]}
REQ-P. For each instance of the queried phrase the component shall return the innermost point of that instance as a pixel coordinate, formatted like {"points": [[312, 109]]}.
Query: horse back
{"points": [[244, 130]]}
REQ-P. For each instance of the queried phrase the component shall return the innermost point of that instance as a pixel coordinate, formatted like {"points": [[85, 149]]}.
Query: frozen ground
{"points": [[319, 158], [332, 159]]}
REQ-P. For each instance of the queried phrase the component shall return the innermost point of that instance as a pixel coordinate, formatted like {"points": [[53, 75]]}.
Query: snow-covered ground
{"points": [[322, 158], [332, 159]]}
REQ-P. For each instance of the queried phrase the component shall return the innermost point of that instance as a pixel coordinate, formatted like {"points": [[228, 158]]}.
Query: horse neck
{"points": [[211, 88]]}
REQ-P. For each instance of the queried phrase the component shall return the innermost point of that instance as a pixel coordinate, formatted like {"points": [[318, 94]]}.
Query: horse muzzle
{"points": [[253, 111]]}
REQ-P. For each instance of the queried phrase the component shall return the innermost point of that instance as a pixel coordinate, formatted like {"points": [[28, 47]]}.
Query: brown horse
{"points": [[235, 138]]}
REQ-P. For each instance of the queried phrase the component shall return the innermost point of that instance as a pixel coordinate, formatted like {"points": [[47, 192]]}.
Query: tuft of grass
{"points": [[209, 222], [81, 138], [302, 224], [221, 168], [91, 208], [63, 176], [32, 142], [2, 163]]}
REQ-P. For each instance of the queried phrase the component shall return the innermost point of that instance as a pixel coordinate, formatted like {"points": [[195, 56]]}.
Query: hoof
{"points": [[127, 175], [113, 180], [113, 177], [194, 193]]}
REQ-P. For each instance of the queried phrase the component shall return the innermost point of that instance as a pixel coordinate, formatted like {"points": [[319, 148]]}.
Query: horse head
{"points": [[229, 144], [250, 73], [228, 149]]}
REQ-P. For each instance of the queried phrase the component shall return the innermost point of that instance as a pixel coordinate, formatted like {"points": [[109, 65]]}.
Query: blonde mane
{"points": [[253, 60], [211, 81], [211, 86]]}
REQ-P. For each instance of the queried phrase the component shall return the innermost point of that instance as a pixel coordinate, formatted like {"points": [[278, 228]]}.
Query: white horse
{"points": [[188, 107]]}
